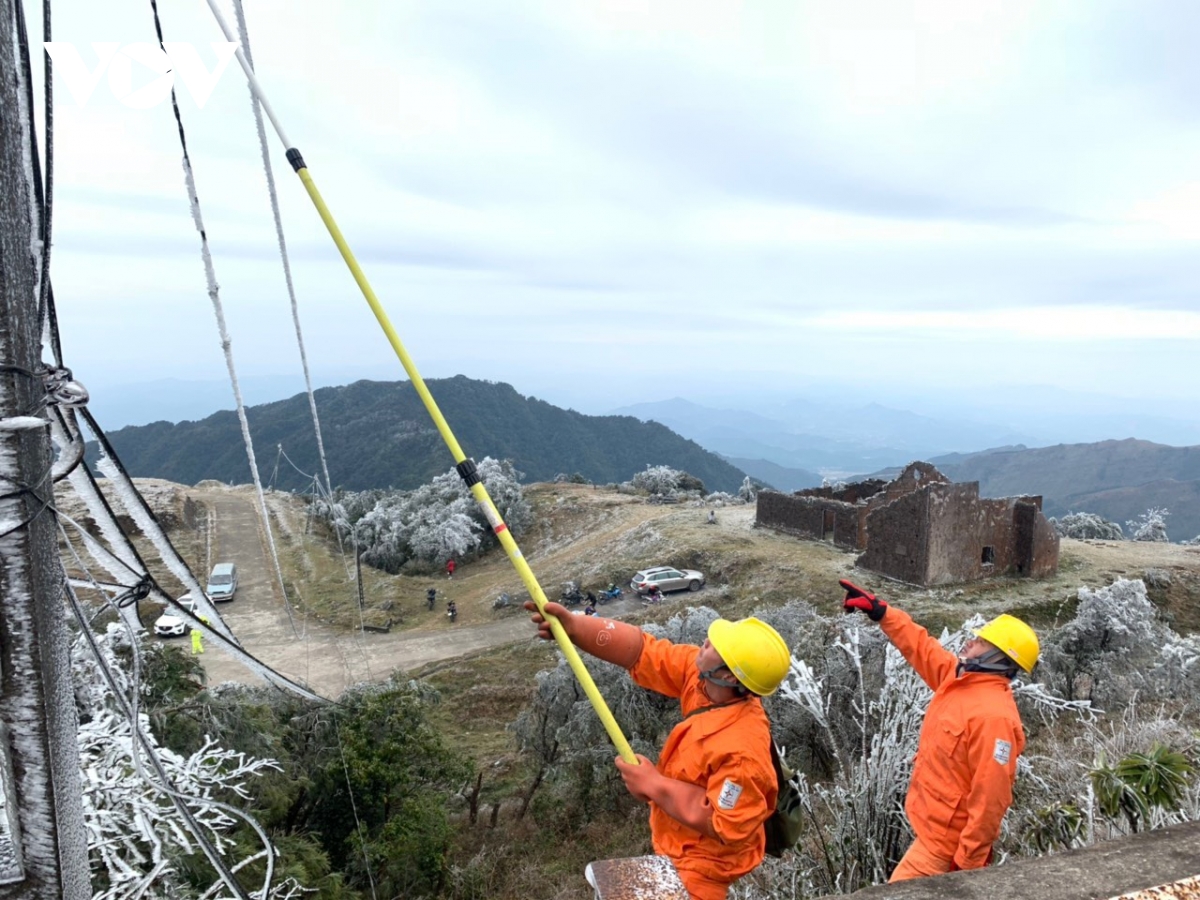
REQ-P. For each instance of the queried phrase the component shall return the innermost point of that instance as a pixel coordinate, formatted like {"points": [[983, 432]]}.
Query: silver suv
{"points": [[667, 579]]}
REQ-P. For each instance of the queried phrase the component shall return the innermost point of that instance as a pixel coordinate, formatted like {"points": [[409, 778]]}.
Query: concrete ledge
{"points": [[1100, 872]]}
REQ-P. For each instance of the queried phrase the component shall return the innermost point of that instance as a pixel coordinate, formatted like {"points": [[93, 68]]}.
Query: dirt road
{"points": [[583, 533], [326, 661]]}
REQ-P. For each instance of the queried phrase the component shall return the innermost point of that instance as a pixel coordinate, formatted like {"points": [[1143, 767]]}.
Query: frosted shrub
{"points": [[1149, 526], [436, 521], [1116, 648], [1087, 526], [137, 837], [748, 491], [720, 498], [1066, 797], [656, 479], [663, 481]]}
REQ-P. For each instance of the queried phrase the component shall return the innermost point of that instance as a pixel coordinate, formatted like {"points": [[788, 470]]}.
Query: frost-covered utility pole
{"points": [[43, 846]]}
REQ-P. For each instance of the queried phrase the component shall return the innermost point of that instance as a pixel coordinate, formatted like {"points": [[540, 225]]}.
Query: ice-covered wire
{"points": [[214, 294], [236, 651], [128, 557], [244, 34], [143, 516]]}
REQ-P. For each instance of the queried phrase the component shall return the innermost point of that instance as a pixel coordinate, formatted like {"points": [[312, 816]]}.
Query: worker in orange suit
{"points": [[971, 736], [714, 784]]}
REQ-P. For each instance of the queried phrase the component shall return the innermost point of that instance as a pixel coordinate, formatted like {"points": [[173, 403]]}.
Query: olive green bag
{"points": [[784, 826]]}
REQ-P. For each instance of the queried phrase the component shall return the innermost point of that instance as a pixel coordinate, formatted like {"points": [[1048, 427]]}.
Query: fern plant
{"points": [[1140, 783]]}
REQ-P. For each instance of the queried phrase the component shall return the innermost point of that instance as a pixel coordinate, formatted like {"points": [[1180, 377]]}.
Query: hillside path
{"points": [[590, 535], [326, 660]]}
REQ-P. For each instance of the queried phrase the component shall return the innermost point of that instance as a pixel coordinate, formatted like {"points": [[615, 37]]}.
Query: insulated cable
{"points": [[465, 466]]}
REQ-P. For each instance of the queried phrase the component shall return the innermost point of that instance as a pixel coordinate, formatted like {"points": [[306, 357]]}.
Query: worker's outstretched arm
{"points": [[683, 802], [606, 639]]}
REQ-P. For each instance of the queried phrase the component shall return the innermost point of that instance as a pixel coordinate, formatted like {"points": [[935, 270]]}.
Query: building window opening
{"points": [[989, 556]]}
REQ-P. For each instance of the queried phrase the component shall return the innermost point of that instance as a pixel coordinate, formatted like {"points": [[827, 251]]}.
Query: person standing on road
{"points": [[450, 567], [714, 784], [971, 736], [198, 639]]}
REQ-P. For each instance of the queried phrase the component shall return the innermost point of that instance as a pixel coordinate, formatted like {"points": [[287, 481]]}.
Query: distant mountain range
{"points": [[378, 435], [805, 437], [790, 450], [1118, 480]]}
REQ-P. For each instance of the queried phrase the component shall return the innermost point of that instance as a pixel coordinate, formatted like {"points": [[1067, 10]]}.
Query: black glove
{"points": [[862, 601]]}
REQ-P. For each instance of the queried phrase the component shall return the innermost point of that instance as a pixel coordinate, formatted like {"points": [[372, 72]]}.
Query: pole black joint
{"points": [[468, 473], [297, 161]]}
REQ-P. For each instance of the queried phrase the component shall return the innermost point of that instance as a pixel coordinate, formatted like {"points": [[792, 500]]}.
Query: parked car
{"points": [[667, 579], [222, 582], [171, 623]]}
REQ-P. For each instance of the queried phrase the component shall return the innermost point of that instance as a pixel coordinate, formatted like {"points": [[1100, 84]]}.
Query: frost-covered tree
{"points": [[1149, 526], [138, 838], [663, 481], [749, 490], [436, 521], [1116, 649], [1087, 526]]}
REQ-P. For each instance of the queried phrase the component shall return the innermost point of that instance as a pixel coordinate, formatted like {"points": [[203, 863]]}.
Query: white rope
{"points": [[214, 294], [283, 254]]}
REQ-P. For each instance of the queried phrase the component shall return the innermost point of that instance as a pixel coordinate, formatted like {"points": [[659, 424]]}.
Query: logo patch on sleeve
{"points": [[729, 795], [1003, 752]]}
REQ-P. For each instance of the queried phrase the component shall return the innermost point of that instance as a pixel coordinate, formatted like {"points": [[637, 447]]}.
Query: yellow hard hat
{"points": [[1013, 638], [753, 651]]}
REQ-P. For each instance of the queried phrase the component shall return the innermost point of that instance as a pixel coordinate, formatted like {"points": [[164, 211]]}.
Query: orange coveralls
{"points": [[725, 750], [966, 760]]}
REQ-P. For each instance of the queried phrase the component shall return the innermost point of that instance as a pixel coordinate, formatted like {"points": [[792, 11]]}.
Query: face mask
{"points": [[993, 662]]}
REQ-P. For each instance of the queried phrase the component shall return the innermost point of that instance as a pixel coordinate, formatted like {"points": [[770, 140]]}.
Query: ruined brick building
{"points": [[921, 528]]}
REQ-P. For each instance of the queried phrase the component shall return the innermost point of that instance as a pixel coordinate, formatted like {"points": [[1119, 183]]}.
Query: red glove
{"points": [[862, 601]]}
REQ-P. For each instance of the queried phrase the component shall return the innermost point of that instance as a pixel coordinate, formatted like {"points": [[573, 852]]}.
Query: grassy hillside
{"points": [[378, 434]]}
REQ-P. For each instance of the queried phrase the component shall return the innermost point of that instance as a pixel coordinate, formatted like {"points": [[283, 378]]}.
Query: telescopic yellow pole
{"points": [[466, 467]]}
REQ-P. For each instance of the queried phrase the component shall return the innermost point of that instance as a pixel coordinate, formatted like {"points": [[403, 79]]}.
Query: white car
{"points": [[171, 623]]}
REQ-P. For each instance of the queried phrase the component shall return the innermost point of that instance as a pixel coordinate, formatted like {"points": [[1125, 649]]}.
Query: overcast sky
{"points": [[609, 201]]}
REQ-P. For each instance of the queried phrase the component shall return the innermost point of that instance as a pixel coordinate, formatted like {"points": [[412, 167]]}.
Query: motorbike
{"points": [[654, 595], [452, 612], [613, 593], [571, 595]]}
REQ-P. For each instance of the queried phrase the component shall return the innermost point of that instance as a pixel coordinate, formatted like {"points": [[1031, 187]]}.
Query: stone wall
{"points": [[818, 518], [921, 528], [898, 538]]}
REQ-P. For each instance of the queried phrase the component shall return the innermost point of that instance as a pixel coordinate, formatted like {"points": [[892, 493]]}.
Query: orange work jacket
{"points": [[966, 761], [725, 750]]}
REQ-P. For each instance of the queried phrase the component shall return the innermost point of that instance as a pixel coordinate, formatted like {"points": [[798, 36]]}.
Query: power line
{"points": [[226, 345]]}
